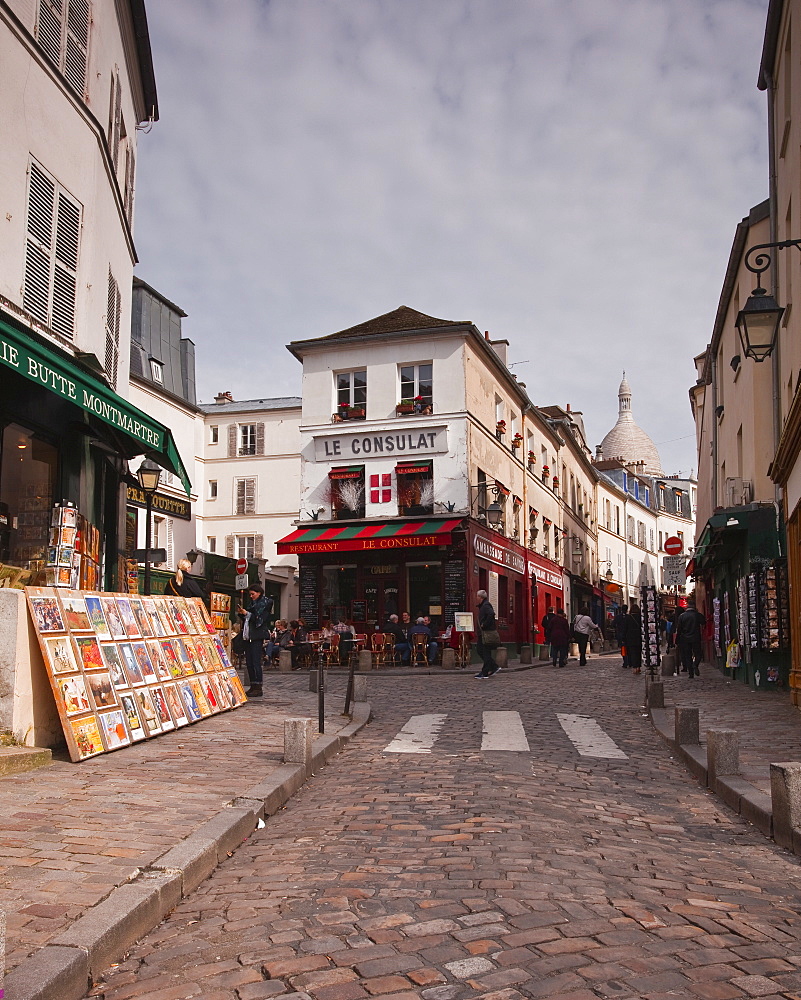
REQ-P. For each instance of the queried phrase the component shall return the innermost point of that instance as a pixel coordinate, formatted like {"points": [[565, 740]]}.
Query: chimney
{"points": [[567, 408], [599, 453], [501, 348], [486, 335], [223, 397]]}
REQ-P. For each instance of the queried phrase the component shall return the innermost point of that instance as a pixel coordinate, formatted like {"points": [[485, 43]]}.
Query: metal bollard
{"points": [[785, 795], [298, 741]]}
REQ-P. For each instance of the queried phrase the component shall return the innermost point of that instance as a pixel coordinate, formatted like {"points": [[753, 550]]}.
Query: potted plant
{"points": [[555, 482], [546, 471], [532, 461], [517, 440], [500, 429], [356, 412], [343, 410], [405, 406]]}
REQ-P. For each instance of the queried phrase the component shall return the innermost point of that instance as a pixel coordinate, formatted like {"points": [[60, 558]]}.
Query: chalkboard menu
{"points": [[309, 608], [455, 590], [358, 611]]}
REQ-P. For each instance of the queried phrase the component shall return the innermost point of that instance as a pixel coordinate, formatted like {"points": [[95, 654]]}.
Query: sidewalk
{"points": [[121, 837]]}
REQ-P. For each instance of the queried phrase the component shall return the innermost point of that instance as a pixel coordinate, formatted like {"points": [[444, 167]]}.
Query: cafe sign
{"points": [[418, 441], [163, 504], [499, 554], [540, 571]]}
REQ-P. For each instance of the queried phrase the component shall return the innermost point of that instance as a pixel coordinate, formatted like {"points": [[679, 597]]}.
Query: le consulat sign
{"points": [[349, 446]]}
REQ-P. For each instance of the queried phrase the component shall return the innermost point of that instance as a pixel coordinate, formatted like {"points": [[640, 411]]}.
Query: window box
{"points": [[405, 406], [356, 413], [517, 440]]}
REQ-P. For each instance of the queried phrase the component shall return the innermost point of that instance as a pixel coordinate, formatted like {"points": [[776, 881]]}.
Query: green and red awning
{"points": [[410, 468], [347, 472], [369, 537]]}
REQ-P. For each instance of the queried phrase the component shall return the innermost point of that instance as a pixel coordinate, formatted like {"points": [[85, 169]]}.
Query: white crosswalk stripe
{"points": [[418, 735], [504, 731], [588, 738]]}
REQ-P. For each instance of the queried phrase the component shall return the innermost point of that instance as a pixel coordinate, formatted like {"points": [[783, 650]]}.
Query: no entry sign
{"points": [[674, 545], [241, 565]]}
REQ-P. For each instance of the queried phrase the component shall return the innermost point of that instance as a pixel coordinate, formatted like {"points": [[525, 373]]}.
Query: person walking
{"points": [[255, 629], [620, 630], [560, 638], [486, 623], [547, 619], [583, 629], [689, 631], [632, 637], [184, 586]]}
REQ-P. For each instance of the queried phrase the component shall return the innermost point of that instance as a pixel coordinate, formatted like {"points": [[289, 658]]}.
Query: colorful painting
{"points": [[128, 619], [157, 659], [193, 713], [211, 694], [192, 653], [115, 624], [135, 727], [143, 660], [132, 668], [73, 694], [75, 615], [175, 705], [221, 652], [89, 652], [114, 730], [162, 711], [220, 683], [171, 658], [47, 614], [147, 711], [101, 688], [141, 616], [198, 625], [236, 683], [94, 611], [111, 655], [86, 736], [60, 655], [183, 655], [156, 624], [200, 697]]}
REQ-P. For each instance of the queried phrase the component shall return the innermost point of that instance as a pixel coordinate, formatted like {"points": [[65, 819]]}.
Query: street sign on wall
{"points": [[674, 571]]}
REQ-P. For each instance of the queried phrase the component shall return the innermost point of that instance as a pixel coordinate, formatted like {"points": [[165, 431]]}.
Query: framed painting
{"points": [[142, 618], [156, 624], [88, 649], [220, 683], [168, 625], [86, 739], [221, 652], [132, 670], [236, 684], [113, 618], [60, 655], [115, 732], [114, 664], [190, 645], [76, 617], [198, 625], [162, 710], [143, 660], [45, 610], [171, 658], [200, 696], [157, 659], [182, 653], [147, 711], [94, 611], [175, 704], [131, 712], [180, 616], [128, 619], [193, 712], [211, 693], [73, 694], [102, 690], [203, 611]]}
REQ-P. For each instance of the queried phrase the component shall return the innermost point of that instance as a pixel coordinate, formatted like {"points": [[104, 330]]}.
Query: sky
{"points": [[566, 174]]}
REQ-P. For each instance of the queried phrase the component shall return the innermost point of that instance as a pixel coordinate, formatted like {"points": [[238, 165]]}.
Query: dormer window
{"points": [[157, 371]]}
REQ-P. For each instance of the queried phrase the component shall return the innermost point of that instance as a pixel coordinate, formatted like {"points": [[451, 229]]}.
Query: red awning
{"points": [[368, 537], [347, 472], [410, 468]]}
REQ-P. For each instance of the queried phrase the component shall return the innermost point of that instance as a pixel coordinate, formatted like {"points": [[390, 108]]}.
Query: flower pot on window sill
{"points": [[404, 408], [343, 514], [356, 413]]}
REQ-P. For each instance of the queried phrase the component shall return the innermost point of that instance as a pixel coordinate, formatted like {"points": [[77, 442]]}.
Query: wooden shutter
{"points": [[130, 161], [229, 546], [48, 30], [77, 43], [258, 546], [259, 439], [232, 441], [246, 496], [65, 280], [112, 330]]}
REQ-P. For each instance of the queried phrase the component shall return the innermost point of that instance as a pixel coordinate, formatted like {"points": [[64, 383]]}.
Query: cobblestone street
{"points": [[458, 872]]}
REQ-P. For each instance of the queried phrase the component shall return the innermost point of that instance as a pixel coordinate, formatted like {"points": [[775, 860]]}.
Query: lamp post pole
{"points": [[148, 475], [148, 539]]}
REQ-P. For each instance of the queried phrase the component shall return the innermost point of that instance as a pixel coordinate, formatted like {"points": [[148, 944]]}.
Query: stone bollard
{"points": [[501, 656], [448, 658], [365, 660], [785, 795], [655, 695], [688, 732], [545, 652], [525, 654], [285, 661], [722, 754], [298, 741], [313, 680], [668, 664], [359, 688]]}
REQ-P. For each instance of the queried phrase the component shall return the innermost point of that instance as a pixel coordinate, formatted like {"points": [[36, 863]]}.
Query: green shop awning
{"points": [[32, 357], [737, 532], [369, 537]]}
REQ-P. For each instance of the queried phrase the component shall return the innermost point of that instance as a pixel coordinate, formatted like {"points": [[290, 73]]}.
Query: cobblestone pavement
{"points": [[70, 833], [462, 873]]}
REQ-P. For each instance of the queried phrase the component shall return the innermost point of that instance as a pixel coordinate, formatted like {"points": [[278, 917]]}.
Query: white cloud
{"points": [[566, 173]]}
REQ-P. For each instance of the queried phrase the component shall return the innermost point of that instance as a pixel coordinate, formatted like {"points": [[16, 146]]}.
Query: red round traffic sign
{"points": [[241, 565], [674, 545]]}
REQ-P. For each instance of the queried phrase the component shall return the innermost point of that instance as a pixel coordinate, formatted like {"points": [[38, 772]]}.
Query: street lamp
{"points": [[494, 512], [148, 475], [758, 321], [608, 574]]}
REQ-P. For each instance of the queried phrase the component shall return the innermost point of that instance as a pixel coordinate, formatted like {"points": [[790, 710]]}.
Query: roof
{"points": [[248, 405], [145, 59], [628, 441]]}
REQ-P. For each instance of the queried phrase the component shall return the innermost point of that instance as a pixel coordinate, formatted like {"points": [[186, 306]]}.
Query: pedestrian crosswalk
{"points": [[505, 731]]}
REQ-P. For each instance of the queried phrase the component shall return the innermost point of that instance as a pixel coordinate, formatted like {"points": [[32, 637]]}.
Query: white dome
{"points": [[627, 441]]}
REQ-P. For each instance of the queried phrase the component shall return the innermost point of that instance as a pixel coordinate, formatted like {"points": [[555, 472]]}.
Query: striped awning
{"points": [[347, 472], [368, 537], [410, 468]]}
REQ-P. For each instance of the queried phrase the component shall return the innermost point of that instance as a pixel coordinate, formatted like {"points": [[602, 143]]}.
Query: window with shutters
{"points": [[62, 31], [246, 547], [112, 330], [244, 496], [247, 439], [115, 125], [51, 252]]}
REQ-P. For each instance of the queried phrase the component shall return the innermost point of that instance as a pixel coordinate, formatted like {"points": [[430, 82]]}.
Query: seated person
{"points": [[402, 646], [346, 634], [298, 643], [420, 628], [271, 647]]}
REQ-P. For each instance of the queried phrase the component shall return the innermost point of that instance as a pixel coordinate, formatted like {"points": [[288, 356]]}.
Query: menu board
{"points": [[455, 590], [125, 668], [309, 604]]}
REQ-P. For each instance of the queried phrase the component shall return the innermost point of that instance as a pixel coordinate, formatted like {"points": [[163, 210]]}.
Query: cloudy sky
{"points": [[567, 174]]}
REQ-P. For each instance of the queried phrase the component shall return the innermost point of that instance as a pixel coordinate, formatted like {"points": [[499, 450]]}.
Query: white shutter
{"points": [[48, 30], [68, 233], [170, 546], [112, 330], [77, 44], [116, 125], [130, 161]]}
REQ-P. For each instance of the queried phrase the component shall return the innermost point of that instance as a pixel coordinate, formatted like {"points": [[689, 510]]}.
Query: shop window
{"points": [[503, 598], [425, 591], [347, 493], [339, 592], [415, 491], [28, 469], [417, 383]]}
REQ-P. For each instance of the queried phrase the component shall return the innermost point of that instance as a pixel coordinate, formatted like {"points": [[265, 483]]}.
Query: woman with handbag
{"points": [[488, 636]]}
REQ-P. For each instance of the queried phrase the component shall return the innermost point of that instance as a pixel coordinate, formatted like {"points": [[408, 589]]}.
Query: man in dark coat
{"points": [[256, 629], [632, 637], [620, 631], [689, 630], [486, 623], [547, 619], [560, 638]]}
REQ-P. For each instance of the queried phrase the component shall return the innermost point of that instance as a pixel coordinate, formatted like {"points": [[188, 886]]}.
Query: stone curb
{"points": [[738, 794], [16, 760], [65, 968]]}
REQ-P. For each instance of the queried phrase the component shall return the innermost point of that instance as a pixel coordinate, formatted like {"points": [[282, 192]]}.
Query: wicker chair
{"points": [[419, 648]]}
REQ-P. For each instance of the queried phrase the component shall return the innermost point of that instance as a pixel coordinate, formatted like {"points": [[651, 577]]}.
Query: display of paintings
{"points": [[123, 669]]}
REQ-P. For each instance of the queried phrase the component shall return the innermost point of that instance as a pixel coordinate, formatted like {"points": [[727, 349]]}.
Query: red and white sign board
{"points": [[241, 565], [674, 545]]}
